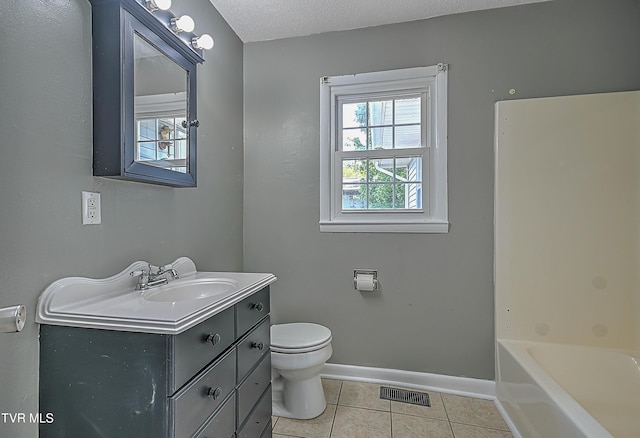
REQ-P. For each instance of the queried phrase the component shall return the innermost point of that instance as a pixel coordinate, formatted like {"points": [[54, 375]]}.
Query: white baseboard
{"points": [[464, 386]]}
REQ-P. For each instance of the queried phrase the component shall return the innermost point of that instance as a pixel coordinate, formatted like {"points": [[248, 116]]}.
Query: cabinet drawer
{"points": [[193, 405], [222, 424], [251, 389], [253, 347], [251, 310], [259, 418], [198, 346]]}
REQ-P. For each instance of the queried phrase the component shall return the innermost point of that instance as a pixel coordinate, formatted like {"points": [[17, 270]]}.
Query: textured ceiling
{"points": [[260, 20]]}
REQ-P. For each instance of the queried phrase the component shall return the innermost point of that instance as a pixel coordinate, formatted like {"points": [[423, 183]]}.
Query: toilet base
{"points": [[302, 400]]}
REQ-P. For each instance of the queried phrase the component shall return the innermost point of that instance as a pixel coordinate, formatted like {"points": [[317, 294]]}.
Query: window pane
{"points": [[354, 139], [354, 115], [381, 170], [414, 169], [408, 137], [381, 138], [180, 131], [408, 169], [408, 111], [354, 171], [180, 149], [380, 112], [166, 128], [146, 130], [354, 196], [380, 196], [165, 149], [163, 153], [147, 151], [408, 196]]}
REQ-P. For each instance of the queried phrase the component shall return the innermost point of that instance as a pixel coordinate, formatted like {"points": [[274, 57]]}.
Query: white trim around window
{"points": [[378, 161]]}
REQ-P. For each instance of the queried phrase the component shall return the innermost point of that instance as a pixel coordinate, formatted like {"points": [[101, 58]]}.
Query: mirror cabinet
{"points": [[144, 95]]}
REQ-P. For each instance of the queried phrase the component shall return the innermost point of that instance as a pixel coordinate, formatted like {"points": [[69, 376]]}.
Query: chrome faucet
{"points": [[148, 279]]}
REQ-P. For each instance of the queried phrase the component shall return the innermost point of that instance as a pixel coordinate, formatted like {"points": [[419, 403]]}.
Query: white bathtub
{"points": [[564, 391]]}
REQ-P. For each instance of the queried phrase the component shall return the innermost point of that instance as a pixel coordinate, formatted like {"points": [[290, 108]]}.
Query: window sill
{"points": [[382, 227]]}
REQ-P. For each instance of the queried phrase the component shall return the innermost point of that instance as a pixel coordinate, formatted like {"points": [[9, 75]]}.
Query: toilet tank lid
{"points": [[298, 335]]}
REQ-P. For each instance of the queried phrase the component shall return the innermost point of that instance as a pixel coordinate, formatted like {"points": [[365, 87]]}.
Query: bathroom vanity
{"points": [[210, 377]]}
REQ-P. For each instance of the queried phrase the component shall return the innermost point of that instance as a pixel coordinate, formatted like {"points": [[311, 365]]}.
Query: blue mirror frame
{"points": [[115, 23]]}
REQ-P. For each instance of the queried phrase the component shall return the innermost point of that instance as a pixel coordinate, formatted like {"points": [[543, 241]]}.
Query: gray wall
{"points": [[46, 144], [435, 311]]}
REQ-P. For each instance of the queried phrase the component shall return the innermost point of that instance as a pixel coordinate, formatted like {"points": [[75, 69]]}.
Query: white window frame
{"points": [[431, 82], [159, 106]]}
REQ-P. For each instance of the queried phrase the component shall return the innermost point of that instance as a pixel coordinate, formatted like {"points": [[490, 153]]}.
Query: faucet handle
{"points": [[168, 269], [143, 278]]}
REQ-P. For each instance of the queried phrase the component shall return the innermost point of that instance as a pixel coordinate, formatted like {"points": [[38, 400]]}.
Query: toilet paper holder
{"points": [[12, 318], [357, 272]]}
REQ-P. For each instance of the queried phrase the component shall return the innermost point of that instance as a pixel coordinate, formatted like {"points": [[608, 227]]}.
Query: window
{"points": [[162, 142], [162, 131], [383, 158]]}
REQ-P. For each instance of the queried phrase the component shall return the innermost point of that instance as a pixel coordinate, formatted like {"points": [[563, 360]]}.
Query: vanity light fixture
{"points": [[182, 24], [154, 5], [204, 41]]}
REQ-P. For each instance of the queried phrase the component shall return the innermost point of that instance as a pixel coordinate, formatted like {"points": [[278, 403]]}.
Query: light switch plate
{"points": [[91, 209]]}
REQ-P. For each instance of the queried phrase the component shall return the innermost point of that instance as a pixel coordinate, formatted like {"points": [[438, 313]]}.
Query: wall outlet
{"points": [[91, 210]]}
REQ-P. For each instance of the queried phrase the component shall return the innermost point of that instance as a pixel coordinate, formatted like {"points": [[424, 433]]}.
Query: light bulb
{"points": [[204, 41], [153, 5], [183, 24]]}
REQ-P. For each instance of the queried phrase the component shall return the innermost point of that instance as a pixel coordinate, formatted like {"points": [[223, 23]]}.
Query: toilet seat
{"points": [[299, 337]]}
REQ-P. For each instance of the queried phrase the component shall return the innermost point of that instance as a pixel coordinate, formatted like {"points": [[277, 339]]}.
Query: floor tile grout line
{"points": [[288, 435], [484, 426], [335, 413], [446, 411], [480, 426], [366, 408], [453, 433], [420, 416]]}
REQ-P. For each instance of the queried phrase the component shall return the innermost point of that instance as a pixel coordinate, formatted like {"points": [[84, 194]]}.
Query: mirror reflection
{"points": [[160, 109]]}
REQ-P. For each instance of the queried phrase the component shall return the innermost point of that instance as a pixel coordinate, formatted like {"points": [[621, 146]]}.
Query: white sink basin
{"points": [[191, 290]]}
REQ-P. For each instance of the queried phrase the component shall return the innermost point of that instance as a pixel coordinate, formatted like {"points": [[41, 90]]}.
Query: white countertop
{"points": [[114, 304]]}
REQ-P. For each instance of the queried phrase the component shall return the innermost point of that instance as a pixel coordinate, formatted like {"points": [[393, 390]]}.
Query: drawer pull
{"points": [[257, 345], [214, 339], [259, 307], [214, 393]]}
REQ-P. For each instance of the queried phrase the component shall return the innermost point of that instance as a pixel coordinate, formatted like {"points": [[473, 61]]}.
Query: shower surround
{"points": [[567, 222]]}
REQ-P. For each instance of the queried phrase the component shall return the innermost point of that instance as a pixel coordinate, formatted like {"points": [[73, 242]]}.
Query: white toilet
{"points": [[298, 353]]}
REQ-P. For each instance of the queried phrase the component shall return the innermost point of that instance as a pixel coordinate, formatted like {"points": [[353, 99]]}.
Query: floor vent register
{"points": [[405, 396]]}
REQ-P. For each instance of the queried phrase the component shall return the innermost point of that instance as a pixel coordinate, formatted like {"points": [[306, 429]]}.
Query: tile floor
{"points": [[355, 410]]}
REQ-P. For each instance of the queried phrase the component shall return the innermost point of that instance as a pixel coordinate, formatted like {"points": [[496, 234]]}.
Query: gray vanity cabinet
{"points": [[211, 381]]}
